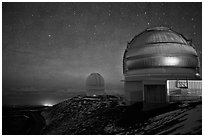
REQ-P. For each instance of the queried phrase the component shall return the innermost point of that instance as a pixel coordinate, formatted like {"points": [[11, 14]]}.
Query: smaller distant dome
{"points": [[95, 85]]}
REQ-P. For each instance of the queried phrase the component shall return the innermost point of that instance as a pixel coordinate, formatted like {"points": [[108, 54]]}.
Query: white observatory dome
{"points": [[160, 52], [95, 85]]}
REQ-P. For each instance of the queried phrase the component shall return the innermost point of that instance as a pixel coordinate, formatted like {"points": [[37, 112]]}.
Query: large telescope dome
{"points": [[95, 84], [160, 52]]}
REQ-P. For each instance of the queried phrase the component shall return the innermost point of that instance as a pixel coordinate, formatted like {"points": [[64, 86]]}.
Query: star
{"points": [[91, 38], [192, 19], [49, 35], [145, 12], [109, 14], [69, 25]]}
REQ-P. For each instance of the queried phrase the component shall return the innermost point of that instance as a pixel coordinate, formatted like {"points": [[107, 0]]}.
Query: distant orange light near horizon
{"points": [[48, 104]]}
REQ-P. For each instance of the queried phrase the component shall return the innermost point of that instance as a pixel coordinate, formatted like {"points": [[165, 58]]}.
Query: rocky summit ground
{"points": [[107, 115]]}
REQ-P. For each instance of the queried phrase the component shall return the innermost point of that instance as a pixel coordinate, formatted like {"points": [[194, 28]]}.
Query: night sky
{"points": [[48, 49]]}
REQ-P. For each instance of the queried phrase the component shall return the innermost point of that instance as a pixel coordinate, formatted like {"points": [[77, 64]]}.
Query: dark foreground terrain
{"points": [[22, 120], [108, 115], [102, 115]]}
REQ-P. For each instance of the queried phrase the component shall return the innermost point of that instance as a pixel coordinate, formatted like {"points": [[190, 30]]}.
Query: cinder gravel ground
{"points": [[106, 115]]}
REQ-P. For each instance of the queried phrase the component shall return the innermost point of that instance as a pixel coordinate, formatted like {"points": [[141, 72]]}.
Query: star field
{"points": [[57, 45]]}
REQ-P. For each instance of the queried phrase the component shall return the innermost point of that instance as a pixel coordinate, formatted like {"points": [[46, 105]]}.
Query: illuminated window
{"points": [[182, 84]]}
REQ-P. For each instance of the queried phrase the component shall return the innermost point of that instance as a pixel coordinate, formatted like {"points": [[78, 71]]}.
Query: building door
{"points": [[155, 94]]}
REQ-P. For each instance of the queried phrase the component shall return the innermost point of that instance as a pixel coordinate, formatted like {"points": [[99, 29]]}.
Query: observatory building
{"points": [[95, 85], [151, 59]]}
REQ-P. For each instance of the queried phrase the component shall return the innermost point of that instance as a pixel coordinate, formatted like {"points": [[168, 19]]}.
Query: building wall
{"points": [[194, 88], [157, 93], [133, 91], [150, 93], [184, 98]]}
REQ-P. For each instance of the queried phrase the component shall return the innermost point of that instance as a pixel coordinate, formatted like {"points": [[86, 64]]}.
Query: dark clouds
{"points": [[57, 45]]}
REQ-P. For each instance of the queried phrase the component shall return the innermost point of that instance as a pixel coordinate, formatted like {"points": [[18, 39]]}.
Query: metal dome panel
{"points": [[162, 61], [157, 36], [159, 49]]}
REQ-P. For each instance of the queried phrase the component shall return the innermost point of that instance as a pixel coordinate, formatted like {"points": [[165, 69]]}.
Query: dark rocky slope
{"points": [[108, 115]]}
